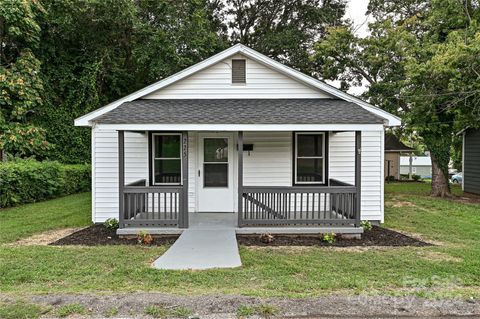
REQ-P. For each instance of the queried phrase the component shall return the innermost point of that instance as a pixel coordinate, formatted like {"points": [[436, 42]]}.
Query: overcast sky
{"points": [[356, 11]]}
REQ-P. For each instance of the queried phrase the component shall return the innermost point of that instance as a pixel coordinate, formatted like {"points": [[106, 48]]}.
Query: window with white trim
{"points": [[167, 158], [309, 158]]}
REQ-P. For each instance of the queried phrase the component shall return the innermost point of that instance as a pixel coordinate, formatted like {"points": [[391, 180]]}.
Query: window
{"points": [[167, 158], [215, 162], [309, 158], [238, 71]]}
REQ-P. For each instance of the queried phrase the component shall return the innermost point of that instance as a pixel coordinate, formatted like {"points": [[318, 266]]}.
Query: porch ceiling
{"points": [[239, 111]]}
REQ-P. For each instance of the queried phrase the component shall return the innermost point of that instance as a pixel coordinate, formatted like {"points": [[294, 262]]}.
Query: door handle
{"points": [[198, 173]]}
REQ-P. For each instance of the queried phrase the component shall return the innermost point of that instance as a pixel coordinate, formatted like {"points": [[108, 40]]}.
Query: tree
{"points": [[420, 62], [96, 51], [21, 87], [284, 30]]}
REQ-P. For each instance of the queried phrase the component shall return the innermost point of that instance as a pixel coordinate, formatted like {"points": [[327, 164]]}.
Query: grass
{"points": [[162, 312], [21, 310], [26, 220], [451, 269], [112, 312], [264, 310], [71, 309]]}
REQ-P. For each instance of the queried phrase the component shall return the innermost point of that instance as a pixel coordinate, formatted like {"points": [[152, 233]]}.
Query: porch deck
{"points": [[276, 209]]}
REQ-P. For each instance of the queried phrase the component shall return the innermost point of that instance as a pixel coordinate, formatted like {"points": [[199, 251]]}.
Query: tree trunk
{"points": [[440, 185]]}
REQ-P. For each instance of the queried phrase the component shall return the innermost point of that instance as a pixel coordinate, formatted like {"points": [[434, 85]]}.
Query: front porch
{"points": [[334, 206]]}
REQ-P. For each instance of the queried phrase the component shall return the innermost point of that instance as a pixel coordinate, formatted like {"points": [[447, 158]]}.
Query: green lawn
{"points": [[451, 269], [22, 221]]}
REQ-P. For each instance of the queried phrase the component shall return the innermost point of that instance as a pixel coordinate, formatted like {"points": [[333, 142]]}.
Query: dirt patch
{"points": [[467, 198], [438, 256], [133, 305], [402, 204], [47, 237], [378, 236], [97, 235]]}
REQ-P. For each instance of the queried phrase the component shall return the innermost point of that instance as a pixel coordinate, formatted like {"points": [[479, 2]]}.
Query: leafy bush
{"points": [[76, 178], [144, 237], [366, 225], [111, 223], [416, 177], [329, 238], [390, 179], [27, 181]]}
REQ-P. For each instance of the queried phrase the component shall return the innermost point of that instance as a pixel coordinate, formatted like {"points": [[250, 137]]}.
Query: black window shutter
{"points": [[238, 71]]}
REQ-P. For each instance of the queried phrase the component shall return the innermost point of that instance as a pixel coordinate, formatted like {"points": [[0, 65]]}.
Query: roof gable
{"points": [[215, 82], [390, 119]]}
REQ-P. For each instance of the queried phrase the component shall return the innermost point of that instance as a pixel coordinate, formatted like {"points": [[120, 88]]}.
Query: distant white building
{"points": [[421, 165]]}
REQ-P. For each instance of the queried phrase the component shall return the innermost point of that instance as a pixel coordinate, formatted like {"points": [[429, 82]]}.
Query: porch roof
{"points": [[239, 111]]}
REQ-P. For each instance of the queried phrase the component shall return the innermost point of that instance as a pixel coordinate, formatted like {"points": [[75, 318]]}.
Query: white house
{"points": [[313, 156], [421, 165]]}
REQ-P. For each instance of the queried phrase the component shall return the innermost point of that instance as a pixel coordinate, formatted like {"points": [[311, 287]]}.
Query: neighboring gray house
{"points": [[471, 161], [312, 154], [421, 165]]}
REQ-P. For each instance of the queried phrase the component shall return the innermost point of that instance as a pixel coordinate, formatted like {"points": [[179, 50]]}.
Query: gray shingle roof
{"points": [[239, 111]]}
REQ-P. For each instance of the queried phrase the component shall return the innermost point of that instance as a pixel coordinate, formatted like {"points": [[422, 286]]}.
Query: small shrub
{"points": [[71, 309], [329, 238], [366, 225], [144, 238], [416, 177], [111, 223], [266, 238], [390, 179]]}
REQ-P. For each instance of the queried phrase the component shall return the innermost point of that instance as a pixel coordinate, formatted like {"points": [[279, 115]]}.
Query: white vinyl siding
{"points": [[215, 82], [269, 164], [105, 169], [342, 167], [192, 170]]}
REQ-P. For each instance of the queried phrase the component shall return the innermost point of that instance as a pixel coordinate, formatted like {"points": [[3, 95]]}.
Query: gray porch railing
{"points": [[151, 206], [290, 206]]}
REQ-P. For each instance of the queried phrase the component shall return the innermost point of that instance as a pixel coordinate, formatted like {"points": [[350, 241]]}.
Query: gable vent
{"points": [[238, 71]]}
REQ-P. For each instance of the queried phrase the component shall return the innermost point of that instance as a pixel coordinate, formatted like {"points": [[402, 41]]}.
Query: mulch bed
{"points": [[378, 236], [98, 235]]}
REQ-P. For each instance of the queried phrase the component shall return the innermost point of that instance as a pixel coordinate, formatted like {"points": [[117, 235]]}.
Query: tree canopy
{"points": [[421, 62], [21, 85], [84, 54]]}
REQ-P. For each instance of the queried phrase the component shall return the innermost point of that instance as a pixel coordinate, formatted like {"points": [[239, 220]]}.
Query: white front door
{"points": [[215, 172]]}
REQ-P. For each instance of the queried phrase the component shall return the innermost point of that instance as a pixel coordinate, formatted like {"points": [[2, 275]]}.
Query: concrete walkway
{"points": [[204, 245]]}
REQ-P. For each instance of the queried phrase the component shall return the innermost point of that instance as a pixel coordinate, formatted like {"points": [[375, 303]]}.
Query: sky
{"points": [[356, 11]]}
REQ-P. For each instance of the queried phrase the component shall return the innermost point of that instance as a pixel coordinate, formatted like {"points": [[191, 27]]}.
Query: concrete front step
{"points": [[198, 249]]}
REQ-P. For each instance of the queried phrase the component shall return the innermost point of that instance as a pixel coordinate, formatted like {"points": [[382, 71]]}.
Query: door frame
{"points": [[199, 164]]}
